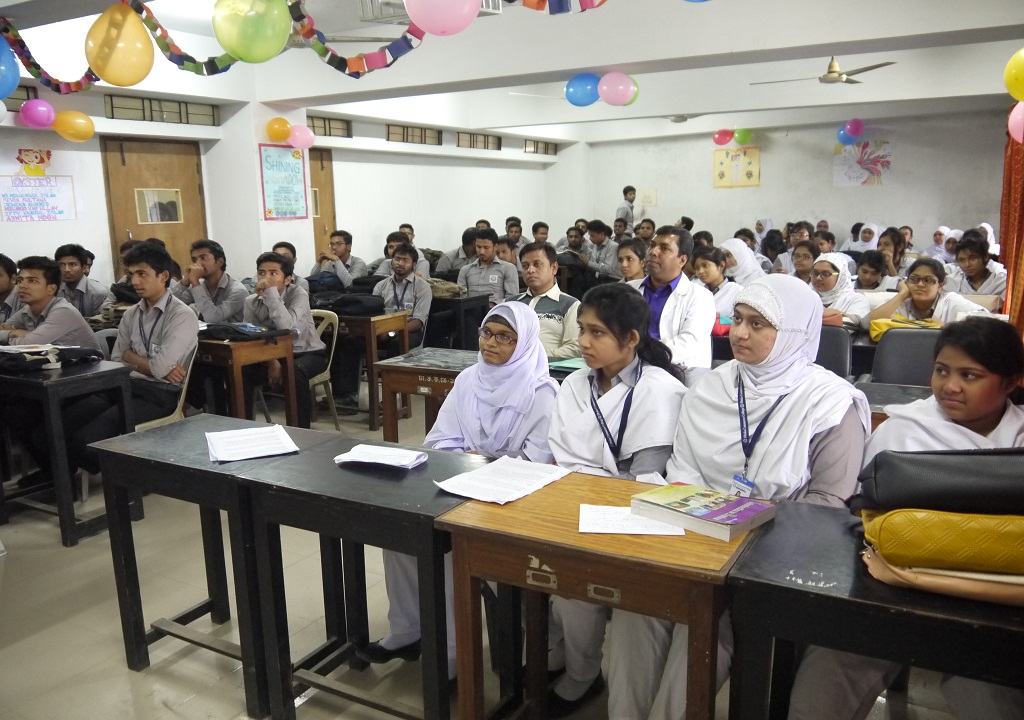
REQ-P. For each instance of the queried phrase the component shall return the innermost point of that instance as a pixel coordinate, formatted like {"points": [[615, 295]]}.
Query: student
{"points": [[483, 224], [392, 241], [894, 249], [505, 250], [973, 275], [805, 253], [499, 407], [826, 240], [908, 235], [645, 231], [455, 260], [800, 231], [514, 235], [487, 274], [979, 362], [866, 238], [603, 262], [339, 260], [209, 270], [556, 310], [822, 226], [614, 418], [632, 253], [409, 231], [710, 264], [278, 304], [830, 278], [761, 228], [574, 242], [747, 236], [9, 302], [619, 231], [772, 247], [740, 263], [921, 296], [86, 295], [43, 318], [814, 425], [703, 238], [686, 223], [540, 232], [287, 251], [937, 249], [871, 273], [625, 211], [993, 241]]}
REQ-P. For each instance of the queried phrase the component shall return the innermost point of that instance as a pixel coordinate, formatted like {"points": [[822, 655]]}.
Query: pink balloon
{"points": [[37, 114], [616, 88], [1016, 124], [301, 137], [722, 137], [854, 128], [442, 17]]}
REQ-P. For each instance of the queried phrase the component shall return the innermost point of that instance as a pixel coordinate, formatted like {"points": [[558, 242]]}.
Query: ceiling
{"points": [[693, 62]]}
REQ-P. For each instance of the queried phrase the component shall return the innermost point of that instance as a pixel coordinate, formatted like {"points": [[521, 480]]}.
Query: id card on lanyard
{"points": [[615, 445], [741, 484], [148, 340]]}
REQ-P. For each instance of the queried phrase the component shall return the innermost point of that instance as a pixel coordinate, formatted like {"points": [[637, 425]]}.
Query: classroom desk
{"points": [[802, 581], [52, 388], [361, 504], [233, 356], [470, 311], [534, 544], [174, 461], [369, 329], [429, 372], [881, 394]]}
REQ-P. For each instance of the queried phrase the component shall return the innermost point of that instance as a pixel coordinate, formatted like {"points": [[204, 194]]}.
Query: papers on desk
{"points": [[247, 444], [621, 520], [395, 457], [504, 480], [569, 364], [27, 348]]}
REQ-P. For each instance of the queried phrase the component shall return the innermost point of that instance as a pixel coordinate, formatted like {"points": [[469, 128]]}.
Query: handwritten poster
{"points": [[737, 167], [37, 198], [283, 174], [862, 163]]}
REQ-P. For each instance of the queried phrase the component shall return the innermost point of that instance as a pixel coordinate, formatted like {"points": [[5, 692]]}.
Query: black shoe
{"points": [[376, 653], [559, 707], [33, 479], [552, 674]]}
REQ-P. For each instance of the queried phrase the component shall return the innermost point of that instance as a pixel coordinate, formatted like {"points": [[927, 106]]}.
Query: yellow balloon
{"points": [[1014, 75], [118, 47], [279, 129], [74, 126]]}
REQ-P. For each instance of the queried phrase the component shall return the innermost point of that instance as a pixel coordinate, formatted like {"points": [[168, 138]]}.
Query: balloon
{"points": [[616, 88], [118, 47], [1013, 76], [442, 17], [722, 137], [636, 93], [253, 31], [279, 130], [1016, 124], [74, 126], [581, 90], [844, 138], [37, 114], [591, 4], [854, 128], [742, 136], [301, 137], [8, 69]]}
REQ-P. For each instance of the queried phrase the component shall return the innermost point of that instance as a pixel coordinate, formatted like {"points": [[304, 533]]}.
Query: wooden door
{"points": [[154, 189], [321, 181]]}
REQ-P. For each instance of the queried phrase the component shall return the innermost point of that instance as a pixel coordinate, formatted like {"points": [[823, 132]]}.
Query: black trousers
{"points": [[307, 365], [350, 352]]}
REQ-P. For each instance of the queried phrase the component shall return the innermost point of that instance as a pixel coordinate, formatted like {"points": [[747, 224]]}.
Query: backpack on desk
{"points": [[239, 331], [348, 303]]}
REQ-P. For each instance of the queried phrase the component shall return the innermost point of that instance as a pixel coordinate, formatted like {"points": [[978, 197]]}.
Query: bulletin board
{"points": [[37, 199], [283, 181]]}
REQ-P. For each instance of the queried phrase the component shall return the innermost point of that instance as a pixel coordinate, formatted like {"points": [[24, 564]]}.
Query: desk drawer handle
{"points": [[604, 593], [542, 579]]}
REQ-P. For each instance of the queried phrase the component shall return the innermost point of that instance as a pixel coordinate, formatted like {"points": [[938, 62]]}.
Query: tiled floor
{"points": [[61, 654]]}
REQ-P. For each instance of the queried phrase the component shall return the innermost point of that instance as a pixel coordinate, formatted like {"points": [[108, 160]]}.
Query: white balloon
{"points": [[3, 112]]}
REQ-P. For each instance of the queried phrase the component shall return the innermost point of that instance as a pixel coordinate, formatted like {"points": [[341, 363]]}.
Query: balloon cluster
{"points": [[615, 88], [298, 136], [69, 124], [560, 7], [724, 137], [1013, 76], [850, 131]]}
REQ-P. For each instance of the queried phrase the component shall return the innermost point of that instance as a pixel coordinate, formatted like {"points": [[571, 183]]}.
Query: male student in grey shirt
{"points": [[88, 296], [339, 260], [44, 318], [487, 275], [209, 270]]}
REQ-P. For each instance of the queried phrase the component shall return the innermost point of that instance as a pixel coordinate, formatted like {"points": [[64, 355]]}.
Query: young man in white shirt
{"points": [[556, 310]]}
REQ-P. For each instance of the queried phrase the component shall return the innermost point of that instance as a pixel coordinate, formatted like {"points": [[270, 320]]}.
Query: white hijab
{"points": [[707, 449], [993, 241], [859, 245], [844, 283], [747, 269], [767, 224]]}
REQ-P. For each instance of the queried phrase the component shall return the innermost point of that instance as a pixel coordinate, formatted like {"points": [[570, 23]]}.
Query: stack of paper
{"points": [[395, 457], [504, 480], [246, 444], [621, 521]]}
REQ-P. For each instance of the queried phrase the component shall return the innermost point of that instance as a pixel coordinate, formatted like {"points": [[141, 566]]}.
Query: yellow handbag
{"points": [[879, 327]]}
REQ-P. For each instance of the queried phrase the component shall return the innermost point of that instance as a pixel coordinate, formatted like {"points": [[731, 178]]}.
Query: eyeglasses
{"points": [[801, 234], [803, 257], [823, 274], [922, 280], [502, 338], [338, 243]]}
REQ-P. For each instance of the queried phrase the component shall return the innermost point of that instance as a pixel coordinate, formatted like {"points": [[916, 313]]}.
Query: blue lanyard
{"points": [[746, 440], [147, 341], [614, 446]]}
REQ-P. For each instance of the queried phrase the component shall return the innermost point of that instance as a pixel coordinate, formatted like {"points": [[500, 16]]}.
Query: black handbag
{"points": [[239, 331], [348, 304]]}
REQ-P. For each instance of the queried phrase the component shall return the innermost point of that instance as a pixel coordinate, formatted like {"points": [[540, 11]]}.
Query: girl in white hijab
{"points": [[740, 263], [761, 228], [806, 437], [937, 249], [993, 241], [499, 407], [868, 239], [830, 278]]}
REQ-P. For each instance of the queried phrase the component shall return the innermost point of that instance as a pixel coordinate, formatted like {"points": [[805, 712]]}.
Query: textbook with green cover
{"points": [[702, 510]]}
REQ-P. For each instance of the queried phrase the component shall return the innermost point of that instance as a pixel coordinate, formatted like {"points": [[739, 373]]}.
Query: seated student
{"points": [[893, 247], [686, 223], [632, 253], [645, 231], [740, 263], [761, 228], [582, 245], [682, 314], [800, 231], [937, 249], [209, 270], [703, 238], [487, 274], [287, 251], [559, 333], [866, 239], [709, 262], [830, 278], [482, 224], [392, 241], [978, 363], [973, 275], [747, 236], [339, 260], [805, 253], [601, 263], [772, 246], [9, 302], [461, 256], [506, 251], [908, 234], [807, 429], [86, 295], [373, 267], [871, 273], [279, 305], [499, 407], [514, 234], [43, 317], [619, 231], [540, 231], [614, 418], [922, 296]]}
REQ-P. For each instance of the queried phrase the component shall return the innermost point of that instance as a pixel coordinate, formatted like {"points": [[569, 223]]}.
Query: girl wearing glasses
{"points": [[830, 278], [805, 253], [921, 296], [498, 407]]}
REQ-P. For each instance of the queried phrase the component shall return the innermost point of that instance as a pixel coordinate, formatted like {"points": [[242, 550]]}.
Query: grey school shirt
{"points": [[166, 332], [497, 280], [413, 295], [224, 305], [346, 272], [87, 296], [57, 324], [290, 311]]}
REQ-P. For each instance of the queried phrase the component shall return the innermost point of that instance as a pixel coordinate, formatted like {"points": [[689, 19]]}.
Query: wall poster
{"points": [[37, 198], [738, 167], [862, 163], [283, 179]]}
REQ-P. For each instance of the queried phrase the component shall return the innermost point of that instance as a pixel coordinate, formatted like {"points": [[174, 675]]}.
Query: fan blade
{"points": [[869, 67], [771, 82], [851, 81]]}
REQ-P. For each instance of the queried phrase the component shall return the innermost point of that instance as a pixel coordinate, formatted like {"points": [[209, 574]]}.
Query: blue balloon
{"points": [[581, 90], [844, 138], [8, 69]]}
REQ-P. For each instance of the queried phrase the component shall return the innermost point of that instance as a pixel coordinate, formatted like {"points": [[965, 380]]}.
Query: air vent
{"points": [[392, 12]]}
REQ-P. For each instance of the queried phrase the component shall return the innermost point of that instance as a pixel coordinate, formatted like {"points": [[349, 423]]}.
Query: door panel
{"points": [[321, 180]]}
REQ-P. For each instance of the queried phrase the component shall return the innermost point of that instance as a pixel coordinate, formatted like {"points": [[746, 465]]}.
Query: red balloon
{"points": [[723, 137]]}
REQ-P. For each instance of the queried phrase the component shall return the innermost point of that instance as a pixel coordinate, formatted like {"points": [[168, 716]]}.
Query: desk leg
{"points": [[276, 646], [510, 643], [126, 573], [356, 613], [61, 471], [389, 400], [749, 682], [536, 605], [236, 390], [702, 660], [433, 628], [372, 356], [431, 407], [334, 595], [216, 570], [468, 628], [291, 408]]}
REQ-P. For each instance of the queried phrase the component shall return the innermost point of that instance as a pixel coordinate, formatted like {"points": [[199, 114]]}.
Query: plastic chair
{"points": [[834, 350], [905, 357], [106, 338], [327, 322], [179, 411]]}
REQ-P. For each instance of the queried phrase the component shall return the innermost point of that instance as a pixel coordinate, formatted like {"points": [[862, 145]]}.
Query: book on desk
{"points": [[702, 510]]}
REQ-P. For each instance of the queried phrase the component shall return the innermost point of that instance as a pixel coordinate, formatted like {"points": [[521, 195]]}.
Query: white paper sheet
{"points": [[395, 457], [250, 443], [504, 480], [620, 521]]}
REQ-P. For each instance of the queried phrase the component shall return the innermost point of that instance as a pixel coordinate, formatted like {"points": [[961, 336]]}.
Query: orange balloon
{"points": [[279, 130], [118, 47], [74, 126]]}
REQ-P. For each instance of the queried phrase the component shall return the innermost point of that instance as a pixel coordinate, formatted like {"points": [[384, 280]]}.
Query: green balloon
{"points": [[742, 136], [636, 93], [253, 31]]}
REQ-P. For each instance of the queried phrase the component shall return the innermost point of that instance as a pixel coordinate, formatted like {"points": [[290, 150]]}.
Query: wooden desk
{"points": [[881, 394], [370, 328], [470, 311], [52, 388], [534, 544], [429, 372], [802, 581], [233, 356]]}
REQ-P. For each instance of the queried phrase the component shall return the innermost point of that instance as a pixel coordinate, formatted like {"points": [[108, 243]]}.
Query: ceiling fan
{"points": [[295, 40], [833, 75]]}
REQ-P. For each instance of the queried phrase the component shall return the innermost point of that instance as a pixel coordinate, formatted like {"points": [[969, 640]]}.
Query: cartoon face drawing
{"points": [[33, 161]]}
